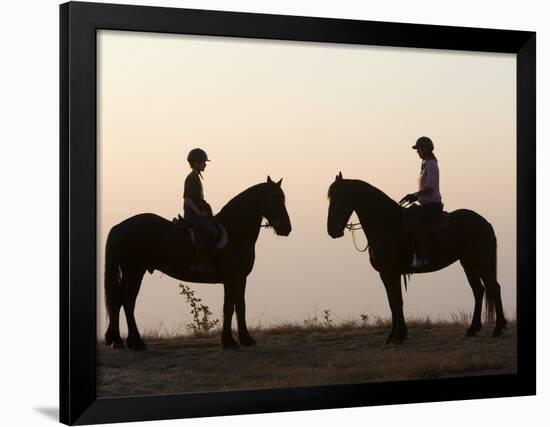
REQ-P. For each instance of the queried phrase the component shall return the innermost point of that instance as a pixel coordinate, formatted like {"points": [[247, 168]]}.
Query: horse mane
{"points": [[246, 196], [374, 193]]}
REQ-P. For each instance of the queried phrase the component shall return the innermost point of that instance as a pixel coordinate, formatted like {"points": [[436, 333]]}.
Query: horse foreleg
{"points": [[228, 308], [240, 308], [392, 283]]}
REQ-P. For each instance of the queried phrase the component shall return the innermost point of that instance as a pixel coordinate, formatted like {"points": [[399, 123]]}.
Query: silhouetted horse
{"points": [[148, 242], [471, 240]]}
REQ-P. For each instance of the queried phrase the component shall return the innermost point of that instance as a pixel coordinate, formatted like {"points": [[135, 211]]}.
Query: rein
{"points": [[353, 227]]}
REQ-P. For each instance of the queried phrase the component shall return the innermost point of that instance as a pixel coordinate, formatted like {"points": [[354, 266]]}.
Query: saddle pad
{"points": [[439, 224], [222, 241], [222, 233]]}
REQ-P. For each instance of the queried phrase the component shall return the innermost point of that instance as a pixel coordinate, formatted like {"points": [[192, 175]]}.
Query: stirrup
{"points": [[201, 268], [418, 261]]}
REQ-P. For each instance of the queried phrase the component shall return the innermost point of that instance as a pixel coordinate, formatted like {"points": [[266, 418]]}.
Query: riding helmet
{"points": [[197, 154], [424, 142]]}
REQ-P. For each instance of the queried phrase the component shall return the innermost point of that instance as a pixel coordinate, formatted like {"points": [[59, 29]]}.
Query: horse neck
{"points": [[241, 215], [377, 213]]}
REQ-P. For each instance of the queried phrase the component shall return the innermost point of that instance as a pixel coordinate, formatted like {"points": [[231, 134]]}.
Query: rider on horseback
{"points": [[428, 195], [197, 212]]}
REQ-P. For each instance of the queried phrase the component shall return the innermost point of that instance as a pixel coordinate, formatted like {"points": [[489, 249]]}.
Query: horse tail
{"points": [[491, 280], [112, 272]]}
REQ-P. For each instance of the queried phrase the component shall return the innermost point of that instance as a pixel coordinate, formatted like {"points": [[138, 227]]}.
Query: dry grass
{"points": [[295, 354]]}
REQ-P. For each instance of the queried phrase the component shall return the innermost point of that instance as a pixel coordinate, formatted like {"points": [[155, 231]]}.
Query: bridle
{"points": [[269, 225], [353, 227]]}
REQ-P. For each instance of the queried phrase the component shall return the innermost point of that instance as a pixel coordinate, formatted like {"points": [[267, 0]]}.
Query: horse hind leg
{"points": [[494, 291], [112, 335], [493, 295], [130, 293], [478, 290], [113, 304]]}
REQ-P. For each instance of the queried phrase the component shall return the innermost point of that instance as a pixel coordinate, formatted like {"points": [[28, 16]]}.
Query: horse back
{"points": [[150, 240]]}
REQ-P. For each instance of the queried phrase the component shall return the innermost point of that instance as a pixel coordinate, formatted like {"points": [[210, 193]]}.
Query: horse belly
{"points": [[431, 266], [181, 271]]}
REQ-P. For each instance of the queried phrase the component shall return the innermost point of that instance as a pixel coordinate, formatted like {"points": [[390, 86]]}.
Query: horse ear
{"points": [[269, 179], [339, 176], [279, 182]]}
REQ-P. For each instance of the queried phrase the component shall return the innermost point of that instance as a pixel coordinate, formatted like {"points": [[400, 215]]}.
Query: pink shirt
{"points": [[429, 177]]}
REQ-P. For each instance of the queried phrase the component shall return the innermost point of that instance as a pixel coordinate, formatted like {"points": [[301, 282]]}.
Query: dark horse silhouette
{"points": [[148, 242], [471, 240]]}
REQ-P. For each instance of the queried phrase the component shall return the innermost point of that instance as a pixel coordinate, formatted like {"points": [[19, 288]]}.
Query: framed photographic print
{"points": [[268, 213]]}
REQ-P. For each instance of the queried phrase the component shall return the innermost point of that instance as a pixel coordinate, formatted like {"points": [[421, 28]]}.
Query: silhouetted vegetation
{"points": [[202, 316]]}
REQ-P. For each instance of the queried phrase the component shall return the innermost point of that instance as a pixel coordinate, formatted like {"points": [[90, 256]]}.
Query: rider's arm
{"points": [[189, 202]]}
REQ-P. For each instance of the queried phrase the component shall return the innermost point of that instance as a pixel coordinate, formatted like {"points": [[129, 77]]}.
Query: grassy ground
{"points": [[292, 355]]}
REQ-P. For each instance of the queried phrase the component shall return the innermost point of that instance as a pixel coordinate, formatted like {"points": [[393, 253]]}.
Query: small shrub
{"points": [[364, 319], [202, 323], [460, 318], [327, 321], [428, 323], [311, 322], [380, 322]]}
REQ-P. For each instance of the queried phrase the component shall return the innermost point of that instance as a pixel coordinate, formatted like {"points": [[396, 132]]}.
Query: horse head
{"points": [[340, 207], [273, 207]]}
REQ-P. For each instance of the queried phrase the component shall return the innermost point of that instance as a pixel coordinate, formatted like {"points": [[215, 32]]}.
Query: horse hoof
{"points": [[497, 332], [393, 340], [247, 342], [470, 333], [117, 345], [230, 344], [139, 346]]}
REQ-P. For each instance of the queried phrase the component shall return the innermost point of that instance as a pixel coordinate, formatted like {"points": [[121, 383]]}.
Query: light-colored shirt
{"points": [[429, 177]]}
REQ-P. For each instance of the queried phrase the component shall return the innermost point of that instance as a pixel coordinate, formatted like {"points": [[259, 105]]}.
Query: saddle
{"points": [[431, 237], [198, 240]]}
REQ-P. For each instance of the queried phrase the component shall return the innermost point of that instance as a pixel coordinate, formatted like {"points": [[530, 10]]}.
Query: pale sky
{"points": [[302, 112]]}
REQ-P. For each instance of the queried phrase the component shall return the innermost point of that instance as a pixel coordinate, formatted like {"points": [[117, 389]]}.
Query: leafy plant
{"points": [[364, 319], [202, 322]]}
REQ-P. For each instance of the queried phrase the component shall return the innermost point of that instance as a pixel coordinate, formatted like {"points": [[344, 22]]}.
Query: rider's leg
{"points": [[208, 231], [424, 215]]}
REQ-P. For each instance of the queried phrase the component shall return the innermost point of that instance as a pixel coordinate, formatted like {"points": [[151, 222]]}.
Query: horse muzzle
{"points": [[336, 234], [282, 232]]}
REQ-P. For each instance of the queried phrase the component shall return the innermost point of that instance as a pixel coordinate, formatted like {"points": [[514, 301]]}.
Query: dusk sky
{"points": [[302, 112]]}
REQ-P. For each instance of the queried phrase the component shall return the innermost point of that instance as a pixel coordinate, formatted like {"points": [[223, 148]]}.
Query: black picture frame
{"points": [[78, 25]]}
